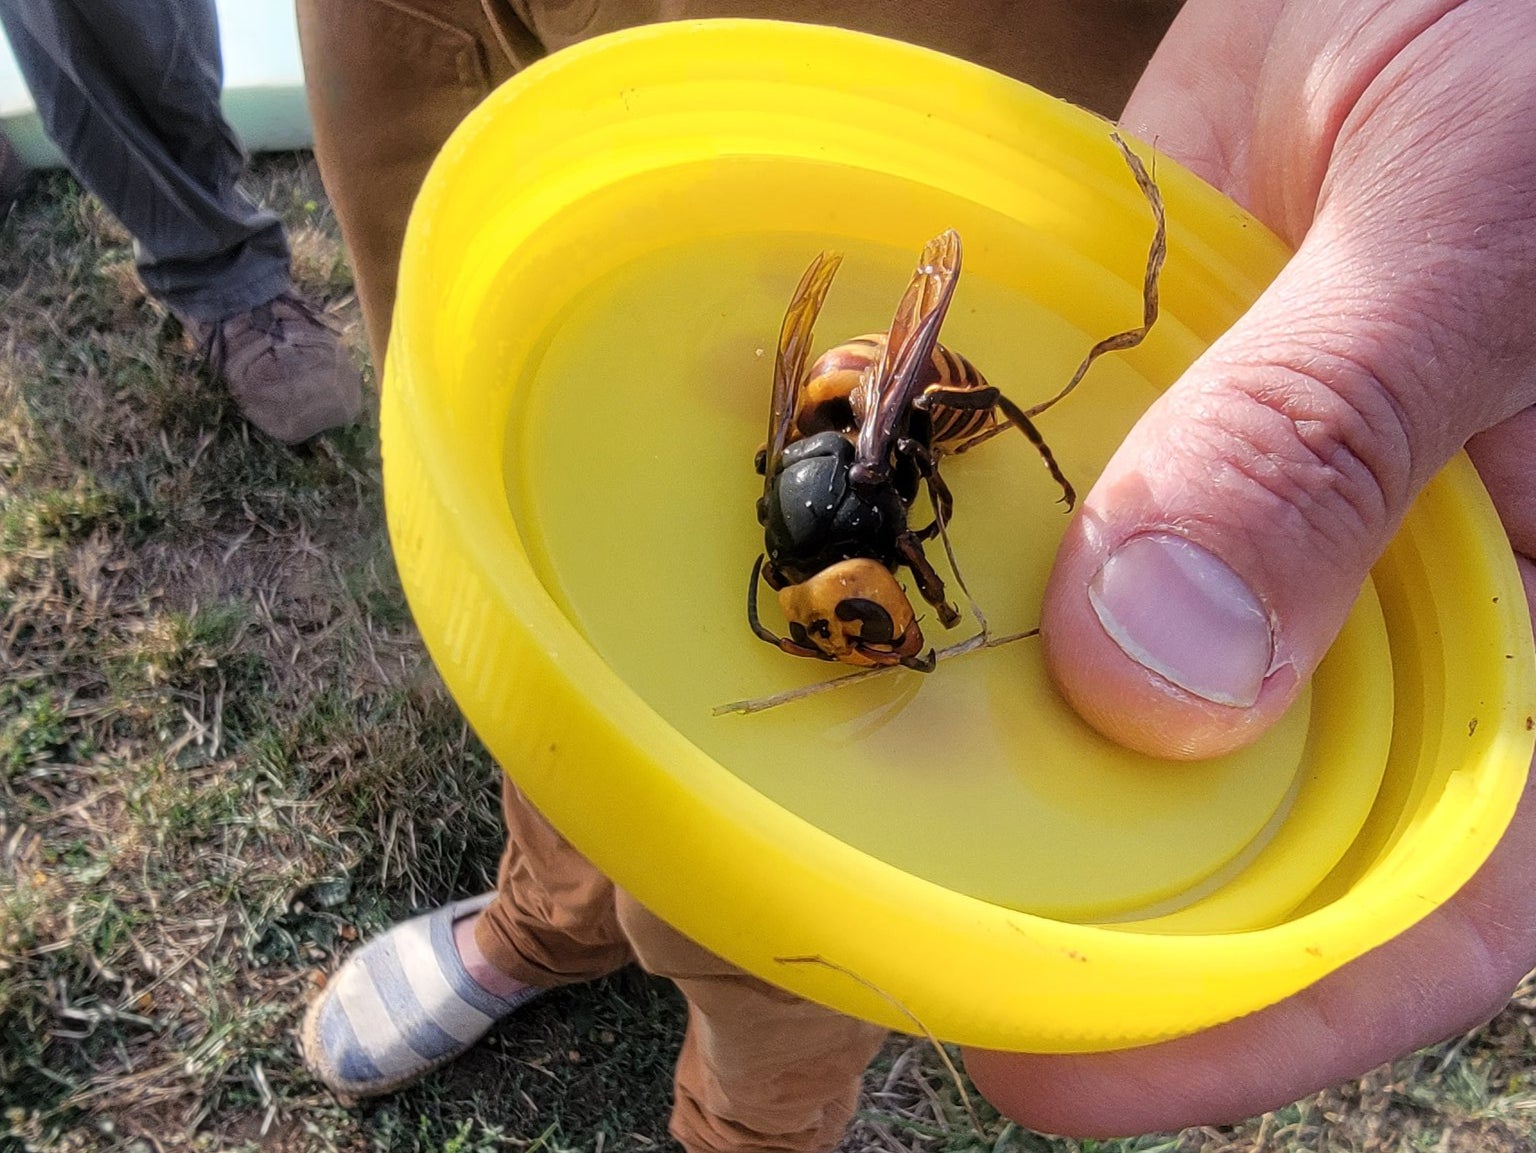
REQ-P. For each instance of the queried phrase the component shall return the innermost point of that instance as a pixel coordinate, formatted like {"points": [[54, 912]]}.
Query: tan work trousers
{"points": [[760, 1070], [390, 79]]}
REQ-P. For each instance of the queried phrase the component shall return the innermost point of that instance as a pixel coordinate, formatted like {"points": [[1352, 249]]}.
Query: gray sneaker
{"points": [[286, 368]]}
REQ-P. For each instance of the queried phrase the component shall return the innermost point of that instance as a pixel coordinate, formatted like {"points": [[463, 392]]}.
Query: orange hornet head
{"points": [[854, 612]]}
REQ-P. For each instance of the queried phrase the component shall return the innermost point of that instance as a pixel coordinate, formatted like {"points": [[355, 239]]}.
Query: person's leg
{"points": [[761, 1070], [552, 921], [427, 990], [388, 81], [129, 92], [1088, 51]]}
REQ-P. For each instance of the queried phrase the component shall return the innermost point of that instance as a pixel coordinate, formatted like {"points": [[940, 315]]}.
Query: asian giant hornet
{"points": [[850, 445], [853, 440]]}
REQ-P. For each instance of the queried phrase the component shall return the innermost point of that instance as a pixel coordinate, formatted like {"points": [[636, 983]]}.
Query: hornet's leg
{"points": [[1016, 416], [992, 397], [943, 504], [962, 400], [929, 583], [949, 396], [921, 664], [938, 491]]}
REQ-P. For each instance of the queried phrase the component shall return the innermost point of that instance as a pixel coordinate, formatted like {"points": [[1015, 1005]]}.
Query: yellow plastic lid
{"points": [[579, 376]]}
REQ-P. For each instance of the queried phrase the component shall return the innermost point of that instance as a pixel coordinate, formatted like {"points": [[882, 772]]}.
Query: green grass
{"points": [[225, 760]]}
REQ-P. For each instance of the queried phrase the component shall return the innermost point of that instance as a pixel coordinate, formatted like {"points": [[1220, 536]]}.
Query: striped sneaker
{"points": [[400, 1007]]}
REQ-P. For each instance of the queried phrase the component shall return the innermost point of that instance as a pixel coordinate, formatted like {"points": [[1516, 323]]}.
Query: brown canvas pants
{"points": [[760, 1070], [390, 79]]}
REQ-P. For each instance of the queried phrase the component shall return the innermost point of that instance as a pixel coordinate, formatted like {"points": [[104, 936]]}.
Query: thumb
{"points": [[1221, 549], [1214, 561]]}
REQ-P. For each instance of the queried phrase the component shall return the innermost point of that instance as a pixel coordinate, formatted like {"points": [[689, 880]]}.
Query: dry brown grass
{"points": [[224, 759]]}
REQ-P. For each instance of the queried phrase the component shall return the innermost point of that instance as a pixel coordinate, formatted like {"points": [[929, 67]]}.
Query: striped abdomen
{"points": [[833, 396]]}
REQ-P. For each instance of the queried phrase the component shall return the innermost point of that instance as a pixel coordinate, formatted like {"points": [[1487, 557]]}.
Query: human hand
{"points": [[1393, 143], [1449, 973]]}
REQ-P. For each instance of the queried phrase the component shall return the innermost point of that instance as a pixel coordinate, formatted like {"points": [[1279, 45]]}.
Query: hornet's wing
{"points": [[794, 352], [914, 333]]}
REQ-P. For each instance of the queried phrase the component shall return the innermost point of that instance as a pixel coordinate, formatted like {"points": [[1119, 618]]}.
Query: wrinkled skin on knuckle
{"points": [[1306, 458], [1431, 184], [1433, 323]]}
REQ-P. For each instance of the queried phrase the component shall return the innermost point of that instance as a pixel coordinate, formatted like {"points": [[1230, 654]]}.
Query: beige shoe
{"points": [[286, 369], [400, 1007]]}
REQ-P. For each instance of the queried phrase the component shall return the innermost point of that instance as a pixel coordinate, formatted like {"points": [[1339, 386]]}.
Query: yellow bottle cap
{"points": [[578, 379]]}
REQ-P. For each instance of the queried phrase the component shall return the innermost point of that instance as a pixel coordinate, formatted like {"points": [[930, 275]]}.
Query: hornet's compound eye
{"points": [[876, 625]]}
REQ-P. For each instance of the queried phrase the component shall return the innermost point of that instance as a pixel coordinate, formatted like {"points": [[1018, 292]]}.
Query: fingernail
{"points": [[1177, 609]]}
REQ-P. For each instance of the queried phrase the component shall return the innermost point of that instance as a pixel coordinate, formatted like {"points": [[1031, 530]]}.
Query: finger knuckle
{"points": [[1323, 443]]}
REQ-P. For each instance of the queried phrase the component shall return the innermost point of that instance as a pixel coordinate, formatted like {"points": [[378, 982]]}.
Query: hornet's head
{"points": [[855, 612]]}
